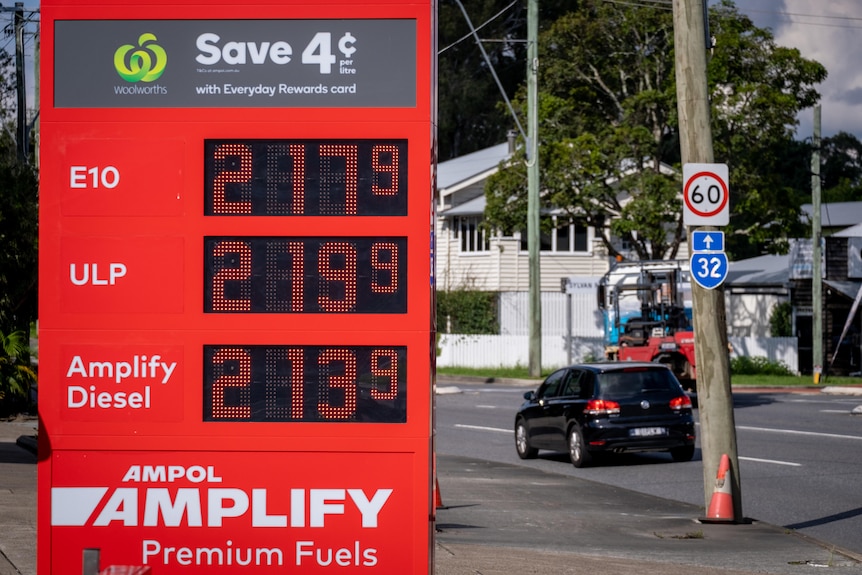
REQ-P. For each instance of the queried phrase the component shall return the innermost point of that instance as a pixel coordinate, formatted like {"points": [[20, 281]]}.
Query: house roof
{"points": [[849, 288], [851, 232], [462, 171], [474, 207], [769, 269], [836, 215]]}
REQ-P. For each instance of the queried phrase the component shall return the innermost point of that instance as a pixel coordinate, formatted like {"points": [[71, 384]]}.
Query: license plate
{"points": [[647, 431]]}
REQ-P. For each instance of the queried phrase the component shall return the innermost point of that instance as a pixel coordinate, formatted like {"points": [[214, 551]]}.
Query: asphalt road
{"points": [[800, 456]]}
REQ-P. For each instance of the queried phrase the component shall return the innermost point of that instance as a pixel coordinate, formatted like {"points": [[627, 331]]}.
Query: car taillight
{"points": [[602, 407], [681, 402]]}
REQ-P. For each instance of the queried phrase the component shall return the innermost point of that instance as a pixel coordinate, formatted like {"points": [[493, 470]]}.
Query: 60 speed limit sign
{"points": [[705, 195]]}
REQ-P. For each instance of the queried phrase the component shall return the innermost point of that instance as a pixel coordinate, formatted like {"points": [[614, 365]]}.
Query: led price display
{"points": [[305, 177], [283, 383], [305, 275]]}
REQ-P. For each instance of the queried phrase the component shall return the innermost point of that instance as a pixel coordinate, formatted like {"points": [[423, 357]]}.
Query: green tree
{"points": [[781, 320], [466, 311], [609, 130], [471, 111], [469, 118], [841, 168], [757, 89], [606, 96], [8, 98], [16, 377], [19, 216]]}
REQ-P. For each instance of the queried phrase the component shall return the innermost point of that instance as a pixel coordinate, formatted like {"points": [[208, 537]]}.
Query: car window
{"points": [[588, 383], [572, 385], [630, 382], [551, 387], [655, 380]]}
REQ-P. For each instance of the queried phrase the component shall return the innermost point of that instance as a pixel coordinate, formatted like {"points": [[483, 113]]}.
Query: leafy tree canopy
{"points": [[471, 113], [841, 168], [609, 132], [19, 215], [466, 86]]}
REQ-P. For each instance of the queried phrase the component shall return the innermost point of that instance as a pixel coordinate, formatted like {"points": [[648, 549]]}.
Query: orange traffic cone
{"points": [[721, 505], [438, 501]]}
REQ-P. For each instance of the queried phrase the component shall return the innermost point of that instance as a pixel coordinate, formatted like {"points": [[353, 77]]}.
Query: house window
{"points": [[471, 235], [566, 236]]}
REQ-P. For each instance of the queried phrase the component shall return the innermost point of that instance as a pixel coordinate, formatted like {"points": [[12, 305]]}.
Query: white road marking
{"points": [[480, 428], [791, 464], [795, 432], [828, 402]]}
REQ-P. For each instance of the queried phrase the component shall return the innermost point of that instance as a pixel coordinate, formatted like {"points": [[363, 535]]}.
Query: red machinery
{"points": [[647, 312]]}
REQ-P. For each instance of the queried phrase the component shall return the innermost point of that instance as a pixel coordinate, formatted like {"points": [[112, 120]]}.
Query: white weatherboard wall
{"points": [[586, 317], [494, 351]]}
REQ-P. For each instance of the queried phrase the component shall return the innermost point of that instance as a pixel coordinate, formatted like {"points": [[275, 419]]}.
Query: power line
{"points": [[826, 17], [470, 34], [821, 24], [660, 4], [788, 18], [666, 5]]}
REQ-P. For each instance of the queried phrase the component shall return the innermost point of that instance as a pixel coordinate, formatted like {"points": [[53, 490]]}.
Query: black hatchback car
{"points": [[596, 408]]}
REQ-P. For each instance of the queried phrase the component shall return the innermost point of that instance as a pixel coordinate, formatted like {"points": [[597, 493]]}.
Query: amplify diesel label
{"points": [[108, 383], [225, 512], [235, 63]]}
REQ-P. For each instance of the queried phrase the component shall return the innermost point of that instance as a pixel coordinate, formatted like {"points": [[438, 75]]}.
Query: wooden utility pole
{"points": [[717, 428], [533, 209], [817, 261], [20, 81]]}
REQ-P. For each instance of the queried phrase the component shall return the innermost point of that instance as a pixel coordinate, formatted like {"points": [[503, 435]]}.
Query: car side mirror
{"points": [[530, 396]]}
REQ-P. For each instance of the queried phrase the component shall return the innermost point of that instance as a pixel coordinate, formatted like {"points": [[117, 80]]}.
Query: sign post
{"points": [[236, 315]]}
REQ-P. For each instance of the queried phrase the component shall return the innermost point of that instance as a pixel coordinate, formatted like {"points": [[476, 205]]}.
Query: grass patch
{"points": [[791, 380], [519, 372], [516, 372]]}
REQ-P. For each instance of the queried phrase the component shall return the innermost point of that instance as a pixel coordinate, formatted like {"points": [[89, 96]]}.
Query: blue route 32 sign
{"points": [[708, 260], [709, 270], [707, 241]]}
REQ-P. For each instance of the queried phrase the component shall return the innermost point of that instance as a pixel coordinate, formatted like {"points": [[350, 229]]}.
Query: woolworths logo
{"points": [[142, 63]]}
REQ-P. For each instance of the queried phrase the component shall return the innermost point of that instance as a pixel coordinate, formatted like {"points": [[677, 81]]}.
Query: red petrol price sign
{"points": [[236, 287], [305, 383], [305, 274], [305, 178]]}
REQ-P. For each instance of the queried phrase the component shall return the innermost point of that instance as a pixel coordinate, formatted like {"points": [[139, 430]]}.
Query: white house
{"points": [[468, 257]]}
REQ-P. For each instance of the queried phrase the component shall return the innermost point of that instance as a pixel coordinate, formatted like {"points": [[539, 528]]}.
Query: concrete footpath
{"points": [[502, 519], [18, 497]]}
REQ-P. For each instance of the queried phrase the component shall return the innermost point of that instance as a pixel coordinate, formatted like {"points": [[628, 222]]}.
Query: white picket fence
{"points": [[493, 351]]}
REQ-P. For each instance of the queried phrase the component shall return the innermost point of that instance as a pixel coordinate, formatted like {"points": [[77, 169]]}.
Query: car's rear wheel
{"points": [[522, 442], [578, 448], [684, 453]]}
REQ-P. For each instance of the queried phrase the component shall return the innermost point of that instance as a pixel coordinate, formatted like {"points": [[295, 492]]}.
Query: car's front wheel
{"points": [[684, 453], [522, 442], [578, 448]]}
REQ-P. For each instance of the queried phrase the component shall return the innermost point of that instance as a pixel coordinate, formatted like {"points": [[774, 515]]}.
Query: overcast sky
{"points": [[830, 32]]}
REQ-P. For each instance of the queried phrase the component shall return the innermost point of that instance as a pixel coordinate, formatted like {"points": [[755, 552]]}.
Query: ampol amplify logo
{"points": [[143, 63]]}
